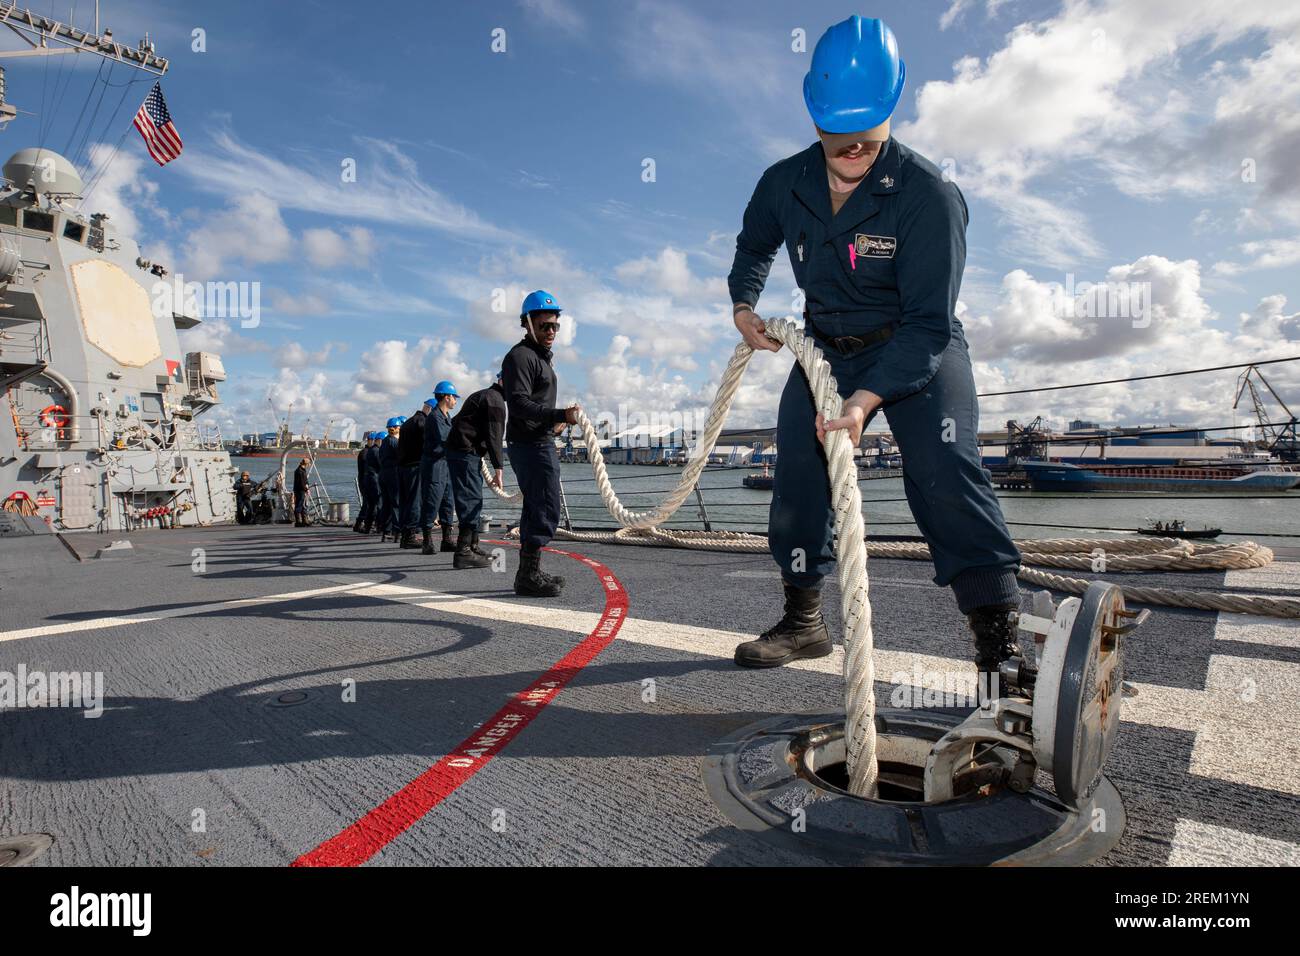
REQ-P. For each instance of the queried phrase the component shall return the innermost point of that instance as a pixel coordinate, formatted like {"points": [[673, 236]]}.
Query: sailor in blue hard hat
{"points": [[530, 390], [436, 501], [389, 468], [876, 236], [410, 453], [368, 484], [478, 431]]}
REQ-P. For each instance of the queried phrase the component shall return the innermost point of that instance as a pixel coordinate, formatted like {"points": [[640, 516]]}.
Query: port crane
{"points": [[1278, 437], [1026, 441]]}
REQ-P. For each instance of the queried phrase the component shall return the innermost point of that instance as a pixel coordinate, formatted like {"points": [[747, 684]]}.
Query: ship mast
{"points": [[45, 36]]}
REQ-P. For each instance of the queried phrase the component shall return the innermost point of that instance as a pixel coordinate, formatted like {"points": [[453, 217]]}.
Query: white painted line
{"points": [[100, 623], [1279, 574], [1251, 628], [1202, 844], [1247, 727]]}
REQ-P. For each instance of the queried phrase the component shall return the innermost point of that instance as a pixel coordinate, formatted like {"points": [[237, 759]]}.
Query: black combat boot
{"points": [[800, 633], [473, 544], [447, 543], [365, 527], [426, 541], [408, 539], [529, 581], [466, 557], [357, 527], [996, 628]]}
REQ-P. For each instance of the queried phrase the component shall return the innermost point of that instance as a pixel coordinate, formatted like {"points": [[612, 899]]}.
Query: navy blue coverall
{"points": [[435, 481], [476, 431], [530, 389], [300, 485], [410, 451], [389, 469], [887, 267], [368, 481]]}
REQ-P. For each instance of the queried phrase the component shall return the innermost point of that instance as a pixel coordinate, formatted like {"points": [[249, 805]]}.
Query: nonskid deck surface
{"points": [[197, 761]]}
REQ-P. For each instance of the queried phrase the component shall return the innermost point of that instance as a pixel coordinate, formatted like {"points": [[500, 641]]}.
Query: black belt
{"points": [[848, 344]]}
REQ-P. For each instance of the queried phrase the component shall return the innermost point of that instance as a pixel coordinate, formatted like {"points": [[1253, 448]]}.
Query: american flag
{"points": [[155, 125]]}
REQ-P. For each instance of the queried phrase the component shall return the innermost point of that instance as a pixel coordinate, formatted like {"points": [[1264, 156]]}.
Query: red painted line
{"points": [[359, 842]]}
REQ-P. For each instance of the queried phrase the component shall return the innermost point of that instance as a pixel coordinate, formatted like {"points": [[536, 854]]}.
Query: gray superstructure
{"points": [[101, 422]]}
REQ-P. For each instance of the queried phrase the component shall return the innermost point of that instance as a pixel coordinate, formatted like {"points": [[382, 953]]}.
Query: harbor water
{"points": [[1270, 519]]}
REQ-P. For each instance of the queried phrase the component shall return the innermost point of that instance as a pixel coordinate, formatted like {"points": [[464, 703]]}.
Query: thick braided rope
{"points": [[490, 479], [1220, 558], [641, 520], [1121, 554], [851, 552]]}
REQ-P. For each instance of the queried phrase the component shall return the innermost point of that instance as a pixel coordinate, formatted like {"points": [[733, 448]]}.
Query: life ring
{"points": [[55, 416]]}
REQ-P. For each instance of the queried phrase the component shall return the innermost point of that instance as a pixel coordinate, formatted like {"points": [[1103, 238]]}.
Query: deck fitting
{"points": [[783, 779], [22, 849], [290, 698]]}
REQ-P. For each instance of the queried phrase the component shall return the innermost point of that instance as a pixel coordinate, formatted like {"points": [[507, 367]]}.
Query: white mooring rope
{"points": [[852, 551]]}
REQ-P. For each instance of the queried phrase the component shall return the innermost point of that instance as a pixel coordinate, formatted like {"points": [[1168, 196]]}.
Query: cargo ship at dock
{"points": [[1066, 477], [277, 451]]}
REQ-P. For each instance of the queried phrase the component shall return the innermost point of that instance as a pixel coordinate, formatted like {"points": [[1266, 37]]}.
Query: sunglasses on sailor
{"points": [[548, 326]]}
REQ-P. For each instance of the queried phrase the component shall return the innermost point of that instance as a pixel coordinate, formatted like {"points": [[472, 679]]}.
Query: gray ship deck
{"points": [[1208, 762]]}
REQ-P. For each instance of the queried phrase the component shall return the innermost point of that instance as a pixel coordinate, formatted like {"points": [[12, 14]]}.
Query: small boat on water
{"points": [[760, 482], [1176, 529]]}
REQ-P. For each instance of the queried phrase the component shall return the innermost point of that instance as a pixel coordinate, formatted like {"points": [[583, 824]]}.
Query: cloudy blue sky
{"points": [[1150, 143]]}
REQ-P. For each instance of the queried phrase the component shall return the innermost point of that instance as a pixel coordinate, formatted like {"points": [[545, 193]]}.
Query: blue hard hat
{"points": [[856, 77], [444, 388], [539, 301], [396, 422]]}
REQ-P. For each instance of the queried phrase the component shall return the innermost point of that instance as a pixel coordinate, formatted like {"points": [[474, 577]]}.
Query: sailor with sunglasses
{"points": [[530, 389]]}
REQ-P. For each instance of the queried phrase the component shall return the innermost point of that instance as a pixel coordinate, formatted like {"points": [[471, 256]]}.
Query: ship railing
{"points": [[205, 436], [21, 346], [52, 431], [42, 430]]}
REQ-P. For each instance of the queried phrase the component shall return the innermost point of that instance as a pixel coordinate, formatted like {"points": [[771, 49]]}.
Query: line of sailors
{"points": [[424, 471], [427, 469]]}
